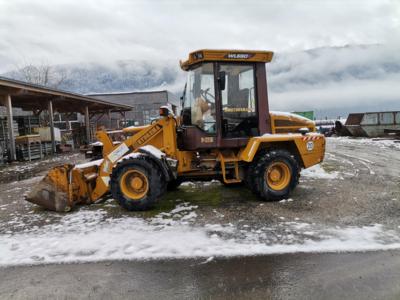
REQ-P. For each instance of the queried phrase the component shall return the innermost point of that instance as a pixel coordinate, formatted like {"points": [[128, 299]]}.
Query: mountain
{"points": [[332, 80], [121, 76]]}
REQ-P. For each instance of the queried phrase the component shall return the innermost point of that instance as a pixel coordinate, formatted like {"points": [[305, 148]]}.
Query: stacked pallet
{"points": [[28, 147], [27, 124], [4, 136], [47, 148], [2, 153], [29, 151]]}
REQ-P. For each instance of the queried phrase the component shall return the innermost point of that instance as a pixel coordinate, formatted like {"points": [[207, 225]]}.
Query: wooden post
{"points": [[8, 105], [123, 120], [87, 124], [109, 119], [29, 151], [51, 123], [69, 128]]}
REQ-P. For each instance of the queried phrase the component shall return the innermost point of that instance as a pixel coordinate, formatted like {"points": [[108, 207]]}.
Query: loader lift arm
{"points": [[161, 135], [65, 186]]}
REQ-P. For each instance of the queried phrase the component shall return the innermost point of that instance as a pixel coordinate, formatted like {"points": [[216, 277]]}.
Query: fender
{"points": [[150, 153], [158, 157], [311, 146]]}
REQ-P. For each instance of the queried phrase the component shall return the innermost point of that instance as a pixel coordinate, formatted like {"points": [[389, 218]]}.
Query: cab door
{"points": [[239, 116], [199, 129]]}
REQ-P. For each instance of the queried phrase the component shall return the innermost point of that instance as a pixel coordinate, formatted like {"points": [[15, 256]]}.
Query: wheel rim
{"points": [[277, 176], [134, 184]]}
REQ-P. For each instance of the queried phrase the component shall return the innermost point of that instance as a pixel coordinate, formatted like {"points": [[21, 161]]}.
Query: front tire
{"points": [[137, 184], [276, 174]]}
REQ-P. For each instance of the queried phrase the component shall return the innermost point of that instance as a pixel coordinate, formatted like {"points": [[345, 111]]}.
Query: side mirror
{"points": [[221, 80]]}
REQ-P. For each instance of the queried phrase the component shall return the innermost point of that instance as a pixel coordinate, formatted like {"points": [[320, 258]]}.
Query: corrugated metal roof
{"points": [[32, 96], [132, 98]]}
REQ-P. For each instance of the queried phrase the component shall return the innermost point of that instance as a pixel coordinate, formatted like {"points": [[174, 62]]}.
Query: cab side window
{"points": [[239, 116]]}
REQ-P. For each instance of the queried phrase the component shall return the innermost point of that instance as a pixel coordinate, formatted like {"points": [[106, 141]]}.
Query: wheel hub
{"points": [[134, 184], [277, 176]]}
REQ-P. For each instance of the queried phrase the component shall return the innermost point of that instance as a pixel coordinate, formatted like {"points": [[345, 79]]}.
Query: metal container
{"points": [[45, 134], [373, 124]]}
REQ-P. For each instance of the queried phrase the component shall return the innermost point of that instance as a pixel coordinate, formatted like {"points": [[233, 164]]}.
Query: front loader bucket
{"points": [[54, 191]]}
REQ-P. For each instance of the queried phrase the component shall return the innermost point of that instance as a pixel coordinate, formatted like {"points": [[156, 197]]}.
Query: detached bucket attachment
{"points": [[54, 192]]}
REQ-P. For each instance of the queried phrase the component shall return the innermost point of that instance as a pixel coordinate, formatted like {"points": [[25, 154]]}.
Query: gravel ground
{"points": [[206, 240], [349, 203]]}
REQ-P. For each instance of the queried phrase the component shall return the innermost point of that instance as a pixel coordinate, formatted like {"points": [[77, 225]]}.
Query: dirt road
{"points": [[371, 275]]}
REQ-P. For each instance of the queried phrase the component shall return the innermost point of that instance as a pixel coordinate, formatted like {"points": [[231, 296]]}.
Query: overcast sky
{"points": [[104, 31], [70, 31]]}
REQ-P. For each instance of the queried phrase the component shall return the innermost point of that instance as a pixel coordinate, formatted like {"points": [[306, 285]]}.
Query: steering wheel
{"points": [[206, 94]]}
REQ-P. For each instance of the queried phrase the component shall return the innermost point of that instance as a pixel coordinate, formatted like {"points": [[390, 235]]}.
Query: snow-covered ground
{"points": [[380, 143], [86, 236], [336, 190], [317, 172]]}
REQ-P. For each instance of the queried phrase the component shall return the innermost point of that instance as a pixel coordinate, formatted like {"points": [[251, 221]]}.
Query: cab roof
{"points": [[205, 55]]}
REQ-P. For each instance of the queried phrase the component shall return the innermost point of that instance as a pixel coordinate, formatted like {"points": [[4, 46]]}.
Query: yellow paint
{"points": [[107, 142], [161, 135], [308, 158], [226, 56], [301, 123], [278, 176], [229, 159], [134, 184], [134, 129]]}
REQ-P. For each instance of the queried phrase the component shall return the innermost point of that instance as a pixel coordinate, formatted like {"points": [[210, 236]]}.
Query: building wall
{"points": [[145, 106]]}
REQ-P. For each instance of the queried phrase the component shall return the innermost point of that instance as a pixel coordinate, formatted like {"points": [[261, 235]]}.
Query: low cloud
{"points": [[352, 78], [73, 31]]}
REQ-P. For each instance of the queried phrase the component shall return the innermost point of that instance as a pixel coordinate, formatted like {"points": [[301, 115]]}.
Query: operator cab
{"points": [[225, 99]]}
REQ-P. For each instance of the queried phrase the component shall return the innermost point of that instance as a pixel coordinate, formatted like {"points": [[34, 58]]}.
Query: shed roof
{"points": [[28, 96], [144, 97]]}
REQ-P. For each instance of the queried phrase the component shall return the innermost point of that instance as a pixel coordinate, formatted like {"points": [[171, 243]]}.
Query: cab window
{"points": [[239, 116], [199, 99]]}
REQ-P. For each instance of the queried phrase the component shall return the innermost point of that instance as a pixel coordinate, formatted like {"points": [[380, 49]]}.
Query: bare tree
{"points": [[42, 74]]}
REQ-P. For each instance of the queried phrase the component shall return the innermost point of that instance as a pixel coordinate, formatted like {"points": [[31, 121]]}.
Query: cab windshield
{"points": [[199, 99]]}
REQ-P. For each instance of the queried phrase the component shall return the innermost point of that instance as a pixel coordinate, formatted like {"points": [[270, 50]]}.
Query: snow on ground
{"points": [[319, 173], [27, 166], [94, 235], [383, 144], [87, 236]]}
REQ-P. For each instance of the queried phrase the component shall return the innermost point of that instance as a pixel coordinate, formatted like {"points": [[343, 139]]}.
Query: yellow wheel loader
{"points": [[225, 132]]}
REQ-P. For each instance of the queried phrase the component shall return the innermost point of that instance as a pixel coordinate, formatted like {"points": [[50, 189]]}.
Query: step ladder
{"points": [[228, 160]]}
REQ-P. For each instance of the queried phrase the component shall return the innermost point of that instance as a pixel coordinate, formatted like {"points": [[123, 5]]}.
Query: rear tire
{"points": [[137, 184], [249, 177], [275, 175]]}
